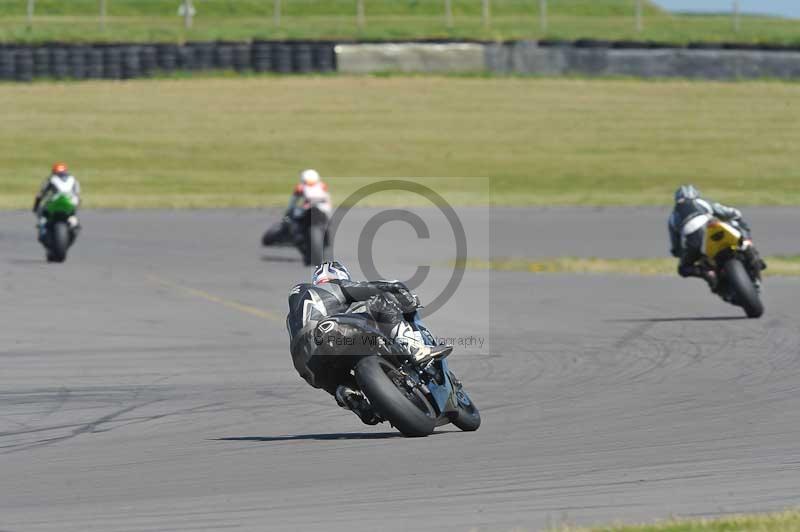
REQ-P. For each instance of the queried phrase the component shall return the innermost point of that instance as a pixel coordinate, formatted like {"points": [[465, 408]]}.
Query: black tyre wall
{"points": [[282, 58], [324, 57], [241, 57], [127, 61], [302, 58], [223, 57], [77, 62], [7, 64], [41, 62], [94, 63], [24, 65], [148, 61], [59, 62], [131, 64], [112, 63], [261, 56]]}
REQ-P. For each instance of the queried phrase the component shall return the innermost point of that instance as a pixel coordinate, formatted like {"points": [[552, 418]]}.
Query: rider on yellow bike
{"points": [[686, 229]]}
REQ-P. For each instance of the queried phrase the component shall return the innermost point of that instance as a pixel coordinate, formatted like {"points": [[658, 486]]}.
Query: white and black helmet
{"points": [[328, 271], [686, 192]]}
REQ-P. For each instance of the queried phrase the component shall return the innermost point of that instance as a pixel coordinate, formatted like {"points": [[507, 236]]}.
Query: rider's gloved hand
{"points": [[408, 301]]}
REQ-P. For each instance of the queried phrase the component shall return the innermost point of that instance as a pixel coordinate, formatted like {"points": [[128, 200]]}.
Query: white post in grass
{"points": [[639, 21], [103, 12], [188, 12], [736, 16], [543, 16], [276, 13], [448, 13], [360, 15], [31, 8], [486, 13]]}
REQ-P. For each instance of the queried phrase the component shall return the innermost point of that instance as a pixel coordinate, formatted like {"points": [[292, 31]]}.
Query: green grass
{"points": [[775, 522], [157, 20], [241, 141], [781, 266]]}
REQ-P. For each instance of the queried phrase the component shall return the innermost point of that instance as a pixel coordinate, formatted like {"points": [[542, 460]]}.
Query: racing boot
{"points": [[411, 340], [707, 274], [74, 228], [355, 401], [710, 277]]}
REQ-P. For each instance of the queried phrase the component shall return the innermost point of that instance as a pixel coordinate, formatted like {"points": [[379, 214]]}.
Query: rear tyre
{"points": [[59, 242], [743, 288], [408, 410]]}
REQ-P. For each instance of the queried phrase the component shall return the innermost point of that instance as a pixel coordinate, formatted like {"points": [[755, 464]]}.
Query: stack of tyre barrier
{"points": [[129, 61]]}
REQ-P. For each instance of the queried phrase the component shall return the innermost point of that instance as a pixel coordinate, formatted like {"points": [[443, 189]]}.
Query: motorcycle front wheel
{"points": [[59, 242], [273, 235], [407, 409], [316, 245], [468, 418]]}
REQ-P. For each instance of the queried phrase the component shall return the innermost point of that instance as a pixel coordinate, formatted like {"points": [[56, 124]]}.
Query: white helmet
{"points": [[328, 271], [309, 177]]}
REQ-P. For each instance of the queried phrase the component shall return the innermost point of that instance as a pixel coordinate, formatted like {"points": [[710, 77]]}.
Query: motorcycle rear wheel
{"points": [[407, 410], [745, 291]]}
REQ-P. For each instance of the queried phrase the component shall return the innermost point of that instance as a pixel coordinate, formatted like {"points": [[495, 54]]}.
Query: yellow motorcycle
{"points": [[739, 282]]}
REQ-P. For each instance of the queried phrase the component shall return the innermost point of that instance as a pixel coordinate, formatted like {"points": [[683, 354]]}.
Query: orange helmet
{"points": [[60, 169]]}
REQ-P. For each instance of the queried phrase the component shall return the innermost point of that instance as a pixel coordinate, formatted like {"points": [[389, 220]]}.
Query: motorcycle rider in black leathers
{"points": [[333, 292], [686, 229]]}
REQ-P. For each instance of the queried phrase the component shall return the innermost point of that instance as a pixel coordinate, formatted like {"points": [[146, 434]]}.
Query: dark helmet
{"points": [[60, 169], [328, 271], [686, 192]]}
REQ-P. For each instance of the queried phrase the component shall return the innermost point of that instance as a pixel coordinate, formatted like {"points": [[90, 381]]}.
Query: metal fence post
{"points": [[639, 21], [31, 8], [103, 12], [736, 16], [360, 15], [486, 13], [448, 13], [543, 15]]}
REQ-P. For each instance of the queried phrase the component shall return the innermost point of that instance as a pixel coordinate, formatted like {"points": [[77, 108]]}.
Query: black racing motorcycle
{"points": [[414, 398], [305, 228]]}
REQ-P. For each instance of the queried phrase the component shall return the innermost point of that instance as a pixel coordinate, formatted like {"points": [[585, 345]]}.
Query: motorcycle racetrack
{"points": [[147, 385]]}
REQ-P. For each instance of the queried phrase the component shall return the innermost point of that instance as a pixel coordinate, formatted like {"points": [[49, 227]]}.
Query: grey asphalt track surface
{"points": [[146, 385]]}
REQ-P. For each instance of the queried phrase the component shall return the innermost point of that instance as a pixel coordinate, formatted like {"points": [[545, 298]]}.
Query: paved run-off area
{"points": [[147, 385]]}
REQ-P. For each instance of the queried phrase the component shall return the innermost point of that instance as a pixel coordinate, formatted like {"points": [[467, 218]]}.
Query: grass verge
{"points": [[783, 266], [157, 20], [788, 521], [239, 142]]}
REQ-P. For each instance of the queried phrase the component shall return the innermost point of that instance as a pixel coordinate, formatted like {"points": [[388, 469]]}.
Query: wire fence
{"points": [[188, 11]]}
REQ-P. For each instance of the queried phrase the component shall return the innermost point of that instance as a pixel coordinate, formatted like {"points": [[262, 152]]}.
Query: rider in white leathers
{"points": [[60, 181]]}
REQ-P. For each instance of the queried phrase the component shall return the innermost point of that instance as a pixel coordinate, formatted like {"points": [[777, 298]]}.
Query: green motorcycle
{"points": [[60, 229]]}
